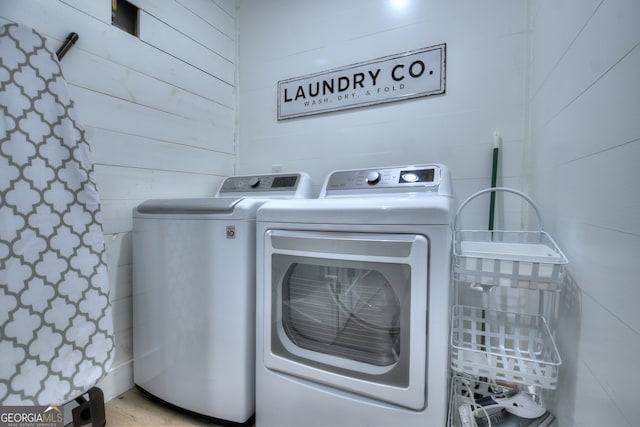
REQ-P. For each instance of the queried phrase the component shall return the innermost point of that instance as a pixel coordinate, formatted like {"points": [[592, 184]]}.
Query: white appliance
{"points": [[194, 295], [353, 302]]}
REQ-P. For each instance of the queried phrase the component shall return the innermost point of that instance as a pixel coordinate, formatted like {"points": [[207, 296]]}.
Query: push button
{"points": [[410, 177]]}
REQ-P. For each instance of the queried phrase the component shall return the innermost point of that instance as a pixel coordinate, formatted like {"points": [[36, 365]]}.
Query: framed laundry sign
{"points": [[408, 75]]}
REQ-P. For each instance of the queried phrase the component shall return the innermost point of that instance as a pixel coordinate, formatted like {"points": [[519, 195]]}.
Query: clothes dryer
{"points": [[353, 302], [194, 295]]}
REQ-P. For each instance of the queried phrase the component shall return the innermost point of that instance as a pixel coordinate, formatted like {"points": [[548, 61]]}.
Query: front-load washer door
{"points": [[349, 311]]}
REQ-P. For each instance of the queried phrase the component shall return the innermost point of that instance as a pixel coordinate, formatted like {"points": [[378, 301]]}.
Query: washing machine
{"points": [[353, 302], [194, 295]]}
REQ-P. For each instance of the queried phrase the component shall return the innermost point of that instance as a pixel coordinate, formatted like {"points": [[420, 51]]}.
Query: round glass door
{"points": [[342, 311]]}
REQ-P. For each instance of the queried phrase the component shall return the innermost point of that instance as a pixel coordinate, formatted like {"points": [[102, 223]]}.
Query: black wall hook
{"points": [[71, 39]]}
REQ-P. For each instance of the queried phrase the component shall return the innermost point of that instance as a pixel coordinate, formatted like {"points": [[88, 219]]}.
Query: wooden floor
{"points": [[132, 408]]}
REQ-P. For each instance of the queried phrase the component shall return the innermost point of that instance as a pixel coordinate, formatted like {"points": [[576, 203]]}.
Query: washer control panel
{"points": [[261, 183], [416, 178]]}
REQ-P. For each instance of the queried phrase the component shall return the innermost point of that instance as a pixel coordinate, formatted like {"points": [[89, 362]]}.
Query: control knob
{"points": [[373, 178], [254, 182]]}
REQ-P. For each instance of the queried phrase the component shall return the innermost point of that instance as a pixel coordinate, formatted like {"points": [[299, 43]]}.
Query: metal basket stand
{"points": [[509, 346]]}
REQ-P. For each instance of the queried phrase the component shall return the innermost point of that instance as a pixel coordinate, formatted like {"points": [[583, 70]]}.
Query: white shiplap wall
{"points": [[281, 39], [158, 110], [584, 154]]}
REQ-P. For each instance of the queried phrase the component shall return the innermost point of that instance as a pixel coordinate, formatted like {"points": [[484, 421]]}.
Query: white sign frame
{"points": [[409, 75]]}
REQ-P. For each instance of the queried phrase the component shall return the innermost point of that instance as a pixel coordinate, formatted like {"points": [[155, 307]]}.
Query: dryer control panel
{"points": [[414, 178]]}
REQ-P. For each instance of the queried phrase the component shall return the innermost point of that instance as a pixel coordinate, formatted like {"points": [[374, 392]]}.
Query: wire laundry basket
{"points": [[512, 347], [516, 259]]}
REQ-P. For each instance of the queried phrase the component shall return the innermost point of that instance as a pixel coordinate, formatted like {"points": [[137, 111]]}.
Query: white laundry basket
{"points": [[516, 259], [512, 347]]}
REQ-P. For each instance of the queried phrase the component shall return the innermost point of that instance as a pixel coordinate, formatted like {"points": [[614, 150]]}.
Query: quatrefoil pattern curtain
{"points": [[56, 326]]}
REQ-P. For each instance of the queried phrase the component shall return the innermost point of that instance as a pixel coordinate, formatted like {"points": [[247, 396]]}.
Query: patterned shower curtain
{"points": [[56, 326]]}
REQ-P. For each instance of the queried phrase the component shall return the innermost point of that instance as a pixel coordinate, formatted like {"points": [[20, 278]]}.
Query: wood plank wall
{"points": [[159, 112]]}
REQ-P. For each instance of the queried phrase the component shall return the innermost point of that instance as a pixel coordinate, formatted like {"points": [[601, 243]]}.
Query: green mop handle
{"points": [[494, 179]]}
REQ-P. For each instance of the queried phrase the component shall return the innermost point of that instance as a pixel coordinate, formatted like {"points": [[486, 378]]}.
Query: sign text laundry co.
{"points": [[409, 75]]}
